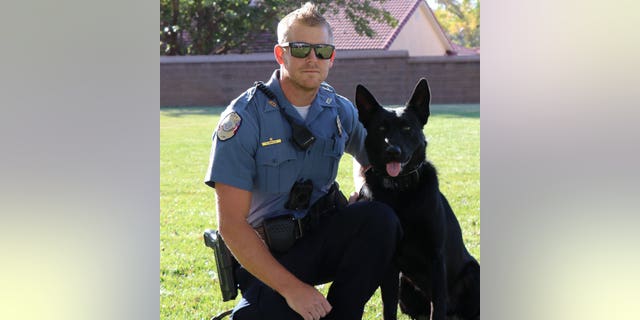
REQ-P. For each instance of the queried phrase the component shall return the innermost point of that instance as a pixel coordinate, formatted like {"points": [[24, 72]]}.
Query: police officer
{"points": [[254, 163]]}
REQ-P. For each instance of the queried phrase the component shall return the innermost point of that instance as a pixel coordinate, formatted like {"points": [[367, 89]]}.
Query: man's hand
{"points": [[358, 180], [353, 197], [308, 302]]}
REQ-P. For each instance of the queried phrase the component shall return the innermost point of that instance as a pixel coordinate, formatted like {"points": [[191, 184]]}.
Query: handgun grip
{"points": [[210, 238]]}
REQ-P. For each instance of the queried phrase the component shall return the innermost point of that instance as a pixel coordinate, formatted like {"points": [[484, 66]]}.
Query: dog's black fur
{"points": [[436, 270]]}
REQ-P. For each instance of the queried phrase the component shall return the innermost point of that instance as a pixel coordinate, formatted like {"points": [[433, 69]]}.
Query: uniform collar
{"points": [[324, 99], [326, 96]]}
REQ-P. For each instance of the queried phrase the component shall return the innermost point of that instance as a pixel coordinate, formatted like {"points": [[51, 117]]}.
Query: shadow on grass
{"points": [[456, 110], [446, 110], [185, 111]]}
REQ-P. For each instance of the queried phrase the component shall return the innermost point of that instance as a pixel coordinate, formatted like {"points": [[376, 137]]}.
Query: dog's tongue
{"points": [[393, 168]]}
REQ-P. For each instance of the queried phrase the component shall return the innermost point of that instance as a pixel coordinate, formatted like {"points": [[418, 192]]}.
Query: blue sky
{"points": [[432, 4]]}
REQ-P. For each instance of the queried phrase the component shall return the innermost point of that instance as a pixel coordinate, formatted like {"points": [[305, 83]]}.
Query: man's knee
{"points": [[384, 217], [382, 223]]}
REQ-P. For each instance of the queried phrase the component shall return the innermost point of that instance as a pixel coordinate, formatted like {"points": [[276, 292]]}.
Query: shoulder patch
{"points": [[229, 126]]}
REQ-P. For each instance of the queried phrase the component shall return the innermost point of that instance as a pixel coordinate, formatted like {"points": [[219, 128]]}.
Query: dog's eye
{"points": [[382, 128], [406, 128]]}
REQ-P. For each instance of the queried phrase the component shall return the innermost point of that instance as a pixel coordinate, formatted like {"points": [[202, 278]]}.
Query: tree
{"points": [[461, 21], [223, 26]]}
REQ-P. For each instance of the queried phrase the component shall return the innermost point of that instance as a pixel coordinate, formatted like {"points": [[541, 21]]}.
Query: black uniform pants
{"points": [[353, 247]]}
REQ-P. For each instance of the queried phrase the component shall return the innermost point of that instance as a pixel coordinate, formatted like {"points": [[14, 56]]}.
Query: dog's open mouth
{"points": [[394, 168]]}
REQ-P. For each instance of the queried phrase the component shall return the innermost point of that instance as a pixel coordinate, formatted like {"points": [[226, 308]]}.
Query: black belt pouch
{"points": [[280, 233]]}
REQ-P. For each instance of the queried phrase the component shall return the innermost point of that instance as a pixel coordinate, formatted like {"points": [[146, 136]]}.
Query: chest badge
{"points": [[339, 125], [229, 126]]}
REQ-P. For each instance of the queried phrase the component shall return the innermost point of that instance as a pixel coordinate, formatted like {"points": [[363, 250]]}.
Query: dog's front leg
{"points": [[389, 292], [413, 301], [439, 287]]}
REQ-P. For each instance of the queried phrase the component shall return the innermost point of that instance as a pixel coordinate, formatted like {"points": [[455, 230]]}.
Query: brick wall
{"points": [[389, 75]]}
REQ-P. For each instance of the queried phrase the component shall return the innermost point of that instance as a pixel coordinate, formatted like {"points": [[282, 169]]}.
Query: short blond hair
{"points": [[308, 15]]}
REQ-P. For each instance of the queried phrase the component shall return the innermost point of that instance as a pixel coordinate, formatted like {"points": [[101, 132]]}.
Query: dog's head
{"points": [[395, 142]]}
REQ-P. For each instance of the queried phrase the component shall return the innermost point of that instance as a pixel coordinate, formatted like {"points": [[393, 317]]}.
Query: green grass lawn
{"points": [[188, 282]]}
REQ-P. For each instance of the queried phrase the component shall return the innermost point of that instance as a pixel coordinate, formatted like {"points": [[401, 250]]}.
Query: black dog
{"points": [[438, 276]]}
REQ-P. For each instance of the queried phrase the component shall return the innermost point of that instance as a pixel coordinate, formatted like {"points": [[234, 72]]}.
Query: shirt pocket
{"points": [[335, 147], [277, 169], [333, 151]]}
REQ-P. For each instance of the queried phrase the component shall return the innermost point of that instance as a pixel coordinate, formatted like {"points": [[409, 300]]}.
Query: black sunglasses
{"points": [[302, 49]]}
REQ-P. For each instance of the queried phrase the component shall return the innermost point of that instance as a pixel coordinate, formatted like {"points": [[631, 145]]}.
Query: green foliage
{"points": [[189, 27], [189, 286], [209, 26], [461, 21]]}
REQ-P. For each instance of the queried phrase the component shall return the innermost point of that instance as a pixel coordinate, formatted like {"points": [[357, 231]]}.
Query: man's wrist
{"points": [[289, 287]]}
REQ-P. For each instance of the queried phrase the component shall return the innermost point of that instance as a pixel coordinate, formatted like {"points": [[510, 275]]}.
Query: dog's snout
{"points": [[393, 151]]}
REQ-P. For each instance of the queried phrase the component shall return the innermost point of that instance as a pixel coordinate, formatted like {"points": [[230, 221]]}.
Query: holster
{"points": [[225, 264], [280, 233]]}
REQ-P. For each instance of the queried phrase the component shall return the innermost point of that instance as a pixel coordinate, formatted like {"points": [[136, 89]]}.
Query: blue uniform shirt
{"points": [[252, 147]]}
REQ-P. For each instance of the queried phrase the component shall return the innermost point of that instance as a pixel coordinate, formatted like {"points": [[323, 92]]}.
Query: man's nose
{"points": [[312, 54]]}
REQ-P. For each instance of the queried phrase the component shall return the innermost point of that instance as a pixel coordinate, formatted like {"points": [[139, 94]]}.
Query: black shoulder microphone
{"points": [[302, 137]]}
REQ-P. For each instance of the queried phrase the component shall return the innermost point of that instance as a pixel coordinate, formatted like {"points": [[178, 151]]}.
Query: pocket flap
{"points": [[275, 155]]}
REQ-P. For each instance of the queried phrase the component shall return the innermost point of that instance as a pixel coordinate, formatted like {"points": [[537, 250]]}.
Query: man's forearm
{"points": [[254, 256], [233, 207]]}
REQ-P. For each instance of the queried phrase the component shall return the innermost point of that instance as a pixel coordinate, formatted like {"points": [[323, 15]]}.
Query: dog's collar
{"points": [[401, 182]]}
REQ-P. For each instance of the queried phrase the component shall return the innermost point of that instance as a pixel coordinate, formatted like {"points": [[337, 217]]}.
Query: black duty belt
{"points": [[280, 233]]}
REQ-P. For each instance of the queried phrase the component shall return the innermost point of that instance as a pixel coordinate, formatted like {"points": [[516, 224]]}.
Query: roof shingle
{"points": [[346, 39]]}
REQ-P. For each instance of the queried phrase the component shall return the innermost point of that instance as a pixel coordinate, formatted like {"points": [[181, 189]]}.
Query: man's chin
{"points": [[311, 82]]}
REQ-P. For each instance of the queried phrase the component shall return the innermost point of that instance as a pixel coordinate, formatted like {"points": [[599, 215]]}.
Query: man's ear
{"points": [[333, 56], [278, 52]]}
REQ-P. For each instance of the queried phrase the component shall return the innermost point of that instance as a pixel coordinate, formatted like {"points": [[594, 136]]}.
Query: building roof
{"points": [[345, 37], [464, 51]]}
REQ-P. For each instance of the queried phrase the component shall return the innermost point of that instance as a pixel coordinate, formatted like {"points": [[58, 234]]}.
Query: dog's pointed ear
{"points": [[420, 101], [366, 104]]}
